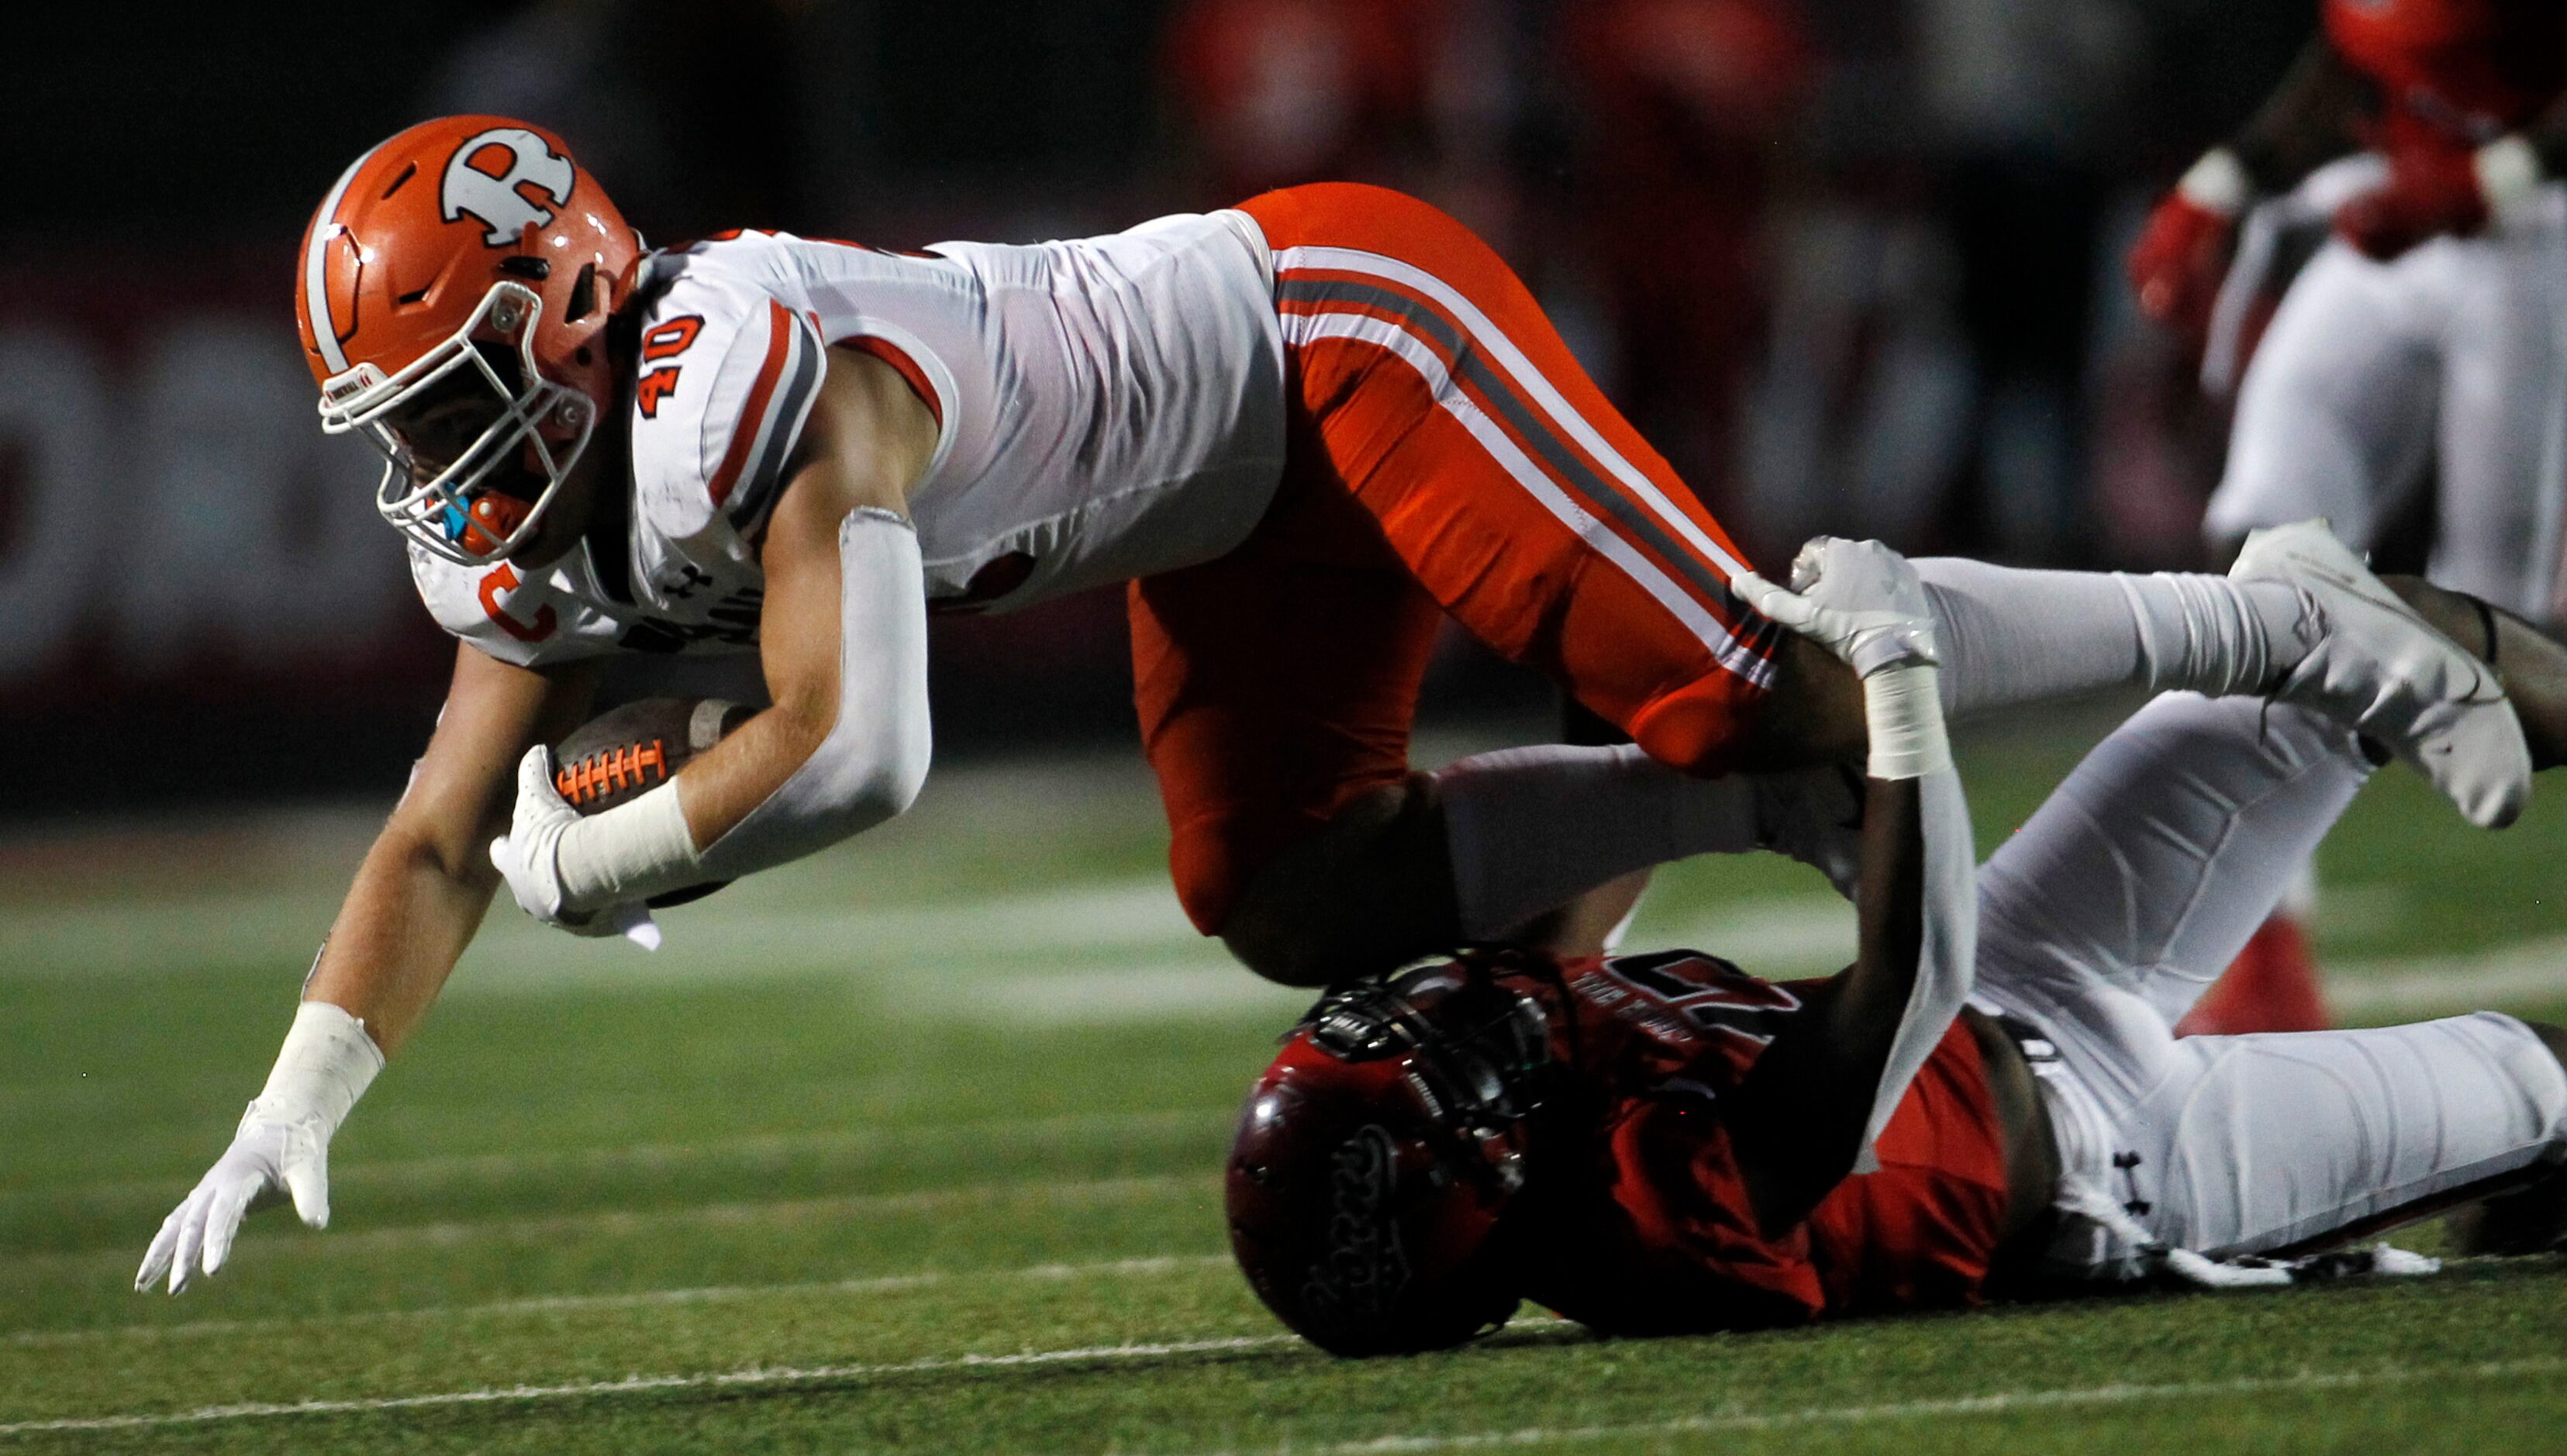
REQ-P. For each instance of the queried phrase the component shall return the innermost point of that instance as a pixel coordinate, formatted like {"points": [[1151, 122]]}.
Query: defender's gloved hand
{"points": [[1860, 600], [1866, 604], [2182, 255]]}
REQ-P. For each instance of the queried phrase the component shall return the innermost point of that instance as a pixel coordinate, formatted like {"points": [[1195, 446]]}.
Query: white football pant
{"points": [[2115, 907], [2448, 365]]}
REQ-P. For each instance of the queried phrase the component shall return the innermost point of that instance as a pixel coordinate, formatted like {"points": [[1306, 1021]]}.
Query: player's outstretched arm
{"points": [[2311, 119], [412, 910], [1808, 1113], [843, 640]]}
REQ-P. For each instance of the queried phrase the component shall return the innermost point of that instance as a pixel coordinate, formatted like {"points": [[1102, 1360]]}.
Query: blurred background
{"points": [[1854, 265]]}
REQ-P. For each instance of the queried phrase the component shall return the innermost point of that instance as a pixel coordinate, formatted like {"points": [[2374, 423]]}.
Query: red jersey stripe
{"points": [[1481, 371], [752, 416], [1323, 271], [897, 358]]}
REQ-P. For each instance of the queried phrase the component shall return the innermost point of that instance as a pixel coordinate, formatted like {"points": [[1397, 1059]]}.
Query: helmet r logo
{"points": [[491, 197]]}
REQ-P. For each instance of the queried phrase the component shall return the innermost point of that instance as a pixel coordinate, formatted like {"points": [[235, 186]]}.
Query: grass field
{"points": [[915, 1147]]}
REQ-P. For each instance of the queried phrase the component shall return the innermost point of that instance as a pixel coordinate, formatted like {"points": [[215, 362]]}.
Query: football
{"points": [[629, 750]]}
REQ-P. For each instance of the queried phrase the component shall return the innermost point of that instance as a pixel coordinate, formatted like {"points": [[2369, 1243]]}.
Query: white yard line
{"points": [[1106, 950], [754, 1377], [722, 941], [1048, 1191], [1999, 1403], [2534, 970], [757, 1377], [640, 1299], [886, 1139], [1053, 1192], [1781, 935]]}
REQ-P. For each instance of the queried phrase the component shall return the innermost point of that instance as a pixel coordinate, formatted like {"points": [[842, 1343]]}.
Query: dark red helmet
{"points": [[1377, 1155]]}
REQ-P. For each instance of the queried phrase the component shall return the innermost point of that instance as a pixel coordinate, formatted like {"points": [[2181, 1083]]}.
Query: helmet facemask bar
{"points": [[1475, 1059], [436, 513]]}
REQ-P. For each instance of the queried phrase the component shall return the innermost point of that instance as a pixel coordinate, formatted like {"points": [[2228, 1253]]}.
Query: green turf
{"points": [[916, 1147]]}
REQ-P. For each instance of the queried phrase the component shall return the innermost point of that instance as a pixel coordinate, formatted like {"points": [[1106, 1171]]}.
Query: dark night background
{"points": [[1764, 223]]}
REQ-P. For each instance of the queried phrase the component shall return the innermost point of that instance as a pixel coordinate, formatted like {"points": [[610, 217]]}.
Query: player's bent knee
{"points": [[1372, 889], [2553, 1037], [1812, 714], [1686, 736], [1206, 887]]}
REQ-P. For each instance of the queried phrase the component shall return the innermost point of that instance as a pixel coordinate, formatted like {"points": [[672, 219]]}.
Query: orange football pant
{"points": [[1445, 455]]}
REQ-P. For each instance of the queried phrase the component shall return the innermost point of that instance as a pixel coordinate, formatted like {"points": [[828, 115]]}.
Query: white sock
{"points": [[2013, 636], [1531, 829]]}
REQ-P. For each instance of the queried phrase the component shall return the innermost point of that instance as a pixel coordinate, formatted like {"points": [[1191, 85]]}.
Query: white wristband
{"points": [[1902, 710], [326, 1064], [631, 852], [2509, 172], [2217, 183]]}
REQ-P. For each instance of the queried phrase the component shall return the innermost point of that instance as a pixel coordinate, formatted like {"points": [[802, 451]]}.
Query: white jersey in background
{"points": [[2445, 369], [1108, 408]]}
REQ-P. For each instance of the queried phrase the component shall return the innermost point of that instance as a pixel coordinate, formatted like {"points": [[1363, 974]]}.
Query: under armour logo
{"points": [[492, 198]]}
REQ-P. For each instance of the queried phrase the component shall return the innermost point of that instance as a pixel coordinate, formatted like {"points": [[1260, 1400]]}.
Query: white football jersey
{"points": [[1108, 408]]}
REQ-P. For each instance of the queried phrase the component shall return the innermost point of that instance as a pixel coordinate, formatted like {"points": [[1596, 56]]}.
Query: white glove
{"points": [[530, 855], [1860, 600], [280, 1150], [1866, 604], [267, 1161]]}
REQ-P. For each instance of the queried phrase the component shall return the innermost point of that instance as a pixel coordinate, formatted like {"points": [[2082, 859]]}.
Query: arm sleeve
{"points": [[1949, 957], [874, 759]]}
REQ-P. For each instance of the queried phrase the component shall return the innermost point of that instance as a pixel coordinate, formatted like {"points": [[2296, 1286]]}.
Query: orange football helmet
{"points": [[454, 294]]}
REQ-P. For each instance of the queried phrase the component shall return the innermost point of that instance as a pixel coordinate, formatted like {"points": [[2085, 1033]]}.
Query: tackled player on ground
{"points": [[1990, 1102]]}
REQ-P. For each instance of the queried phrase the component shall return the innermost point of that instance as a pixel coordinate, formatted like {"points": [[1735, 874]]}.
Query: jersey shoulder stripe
{"points": [[904, 366], [746, 484], [709, 443]]}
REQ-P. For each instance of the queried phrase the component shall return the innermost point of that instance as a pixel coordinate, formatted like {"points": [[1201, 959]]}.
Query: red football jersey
{"points": [[1660, 1236], [2454, 72]]}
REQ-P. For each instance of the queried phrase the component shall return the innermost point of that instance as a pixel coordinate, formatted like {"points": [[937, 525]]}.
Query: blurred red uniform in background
{"points": [[1280, 92], [1682, 102]]}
